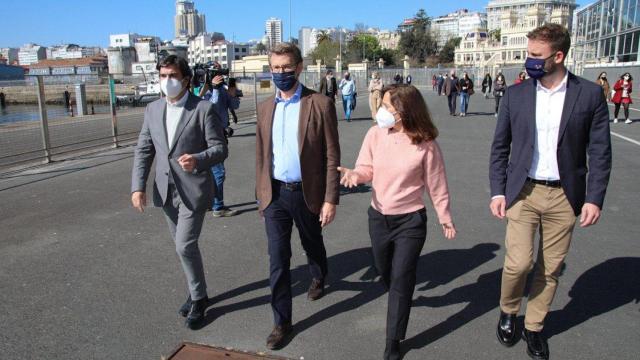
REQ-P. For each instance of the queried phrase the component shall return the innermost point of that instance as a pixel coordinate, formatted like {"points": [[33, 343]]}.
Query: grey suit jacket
{"points": [[198, 133]]}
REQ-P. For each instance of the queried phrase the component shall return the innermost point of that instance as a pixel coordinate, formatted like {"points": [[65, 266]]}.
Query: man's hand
{"points": [[349, 177], [139, 200], [498, 207], [327, 213], [187, 162], [217, 80], [590, 215]]}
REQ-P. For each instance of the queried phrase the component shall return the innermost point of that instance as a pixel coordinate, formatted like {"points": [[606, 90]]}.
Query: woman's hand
{"points": [[349, 177], [449, 231]]}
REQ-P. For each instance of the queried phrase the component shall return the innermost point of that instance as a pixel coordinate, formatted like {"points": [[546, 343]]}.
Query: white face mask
{"points": [[626, 78], [171, 87], [385, 119]]}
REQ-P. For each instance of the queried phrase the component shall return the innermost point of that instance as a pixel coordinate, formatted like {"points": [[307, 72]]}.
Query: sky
{"points": [[90, 22]]}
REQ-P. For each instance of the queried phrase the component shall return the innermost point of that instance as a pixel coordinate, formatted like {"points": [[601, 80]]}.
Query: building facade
{"points": [[273, 31], [304, 40], [519, 9], [188, 22], [607, 31], [11, 54], [457, 24], [71, 70], [71, 51], [31, 54]]}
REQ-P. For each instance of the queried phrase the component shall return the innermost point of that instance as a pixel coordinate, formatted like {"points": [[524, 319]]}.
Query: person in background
{"points": [[402, 160], [328, 86], [223, 100], [604, 83], [521, 77], [375, 94], [623, 88], [486, 85], [465, 88], [450, 89], [348, 89], [67, 99], [3, 103], [397, 78], [434, 82], [499, 87], [441, 79]]}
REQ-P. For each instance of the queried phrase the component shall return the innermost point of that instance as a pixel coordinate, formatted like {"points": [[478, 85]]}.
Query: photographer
{"points": [[224, 100]]}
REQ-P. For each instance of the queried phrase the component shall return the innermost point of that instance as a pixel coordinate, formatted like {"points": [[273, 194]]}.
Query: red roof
{"points": [[46, 63]]}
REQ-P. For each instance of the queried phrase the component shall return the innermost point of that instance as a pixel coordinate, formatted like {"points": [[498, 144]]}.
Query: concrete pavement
{"points": [[82, 275]]}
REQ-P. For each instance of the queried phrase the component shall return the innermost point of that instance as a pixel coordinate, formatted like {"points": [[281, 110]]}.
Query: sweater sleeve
{"points": [[435, 180], [364, 164]]}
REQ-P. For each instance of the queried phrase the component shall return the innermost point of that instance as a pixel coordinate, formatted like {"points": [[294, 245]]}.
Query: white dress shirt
{"points": [[174, 113], [549, 105]]}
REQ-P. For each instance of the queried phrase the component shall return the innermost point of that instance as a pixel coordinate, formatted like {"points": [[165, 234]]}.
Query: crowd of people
{"points": [[537, 185]]}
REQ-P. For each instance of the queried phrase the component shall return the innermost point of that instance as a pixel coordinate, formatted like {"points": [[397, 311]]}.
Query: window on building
{"points": [[237, 57], [505, 41], [237, 50], [224, 58]]}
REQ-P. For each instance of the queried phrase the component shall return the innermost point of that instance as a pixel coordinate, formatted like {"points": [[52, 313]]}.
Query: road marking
{"points": [[626, 138]]}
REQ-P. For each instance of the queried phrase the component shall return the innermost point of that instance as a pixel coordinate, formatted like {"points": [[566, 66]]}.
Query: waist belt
{"points": [[294, 186], [550, 183]]}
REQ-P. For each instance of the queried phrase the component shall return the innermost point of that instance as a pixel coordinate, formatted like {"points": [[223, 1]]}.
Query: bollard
{"points": [[44, 123], [81, 99]]}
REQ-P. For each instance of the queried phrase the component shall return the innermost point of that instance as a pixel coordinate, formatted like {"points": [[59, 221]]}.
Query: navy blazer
{"points": [[584, 133]]}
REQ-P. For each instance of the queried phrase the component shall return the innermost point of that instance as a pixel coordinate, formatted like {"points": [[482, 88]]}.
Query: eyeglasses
{"points": [[284, 68]]}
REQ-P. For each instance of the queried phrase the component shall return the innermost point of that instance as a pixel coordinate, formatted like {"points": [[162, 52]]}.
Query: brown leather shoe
{"points": [[316, 289], [276, 340]]}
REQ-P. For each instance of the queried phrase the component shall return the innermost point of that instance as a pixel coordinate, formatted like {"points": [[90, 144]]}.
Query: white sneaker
{"points": [[615, 121], [628, 121], [496, 114]]}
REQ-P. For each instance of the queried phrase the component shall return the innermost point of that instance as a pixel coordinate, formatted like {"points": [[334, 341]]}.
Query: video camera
{"points": [[205, 73]]}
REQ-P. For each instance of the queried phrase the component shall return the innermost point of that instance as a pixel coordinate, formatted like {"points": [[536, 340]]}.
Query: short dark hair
{"points": [[180, 62], [556, 35], [286, 48]]}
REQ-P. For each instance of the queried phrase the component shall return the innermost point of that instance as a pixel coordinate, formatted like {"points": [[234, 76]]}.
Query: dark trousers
{"points": [[453, 97], [498, 98], [288, 207], [625, 106], [397, 241]]}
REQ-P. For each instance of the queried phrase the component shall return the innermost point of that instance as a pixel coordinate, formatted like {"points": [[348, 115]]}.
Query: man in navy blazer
{"points": [[548, 127]]}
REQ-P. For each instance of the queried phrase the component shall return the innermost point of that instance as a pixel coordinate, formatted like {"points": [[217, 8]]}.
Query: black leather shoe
{"points": [[316, 289], [184, 309], [196, 313], [392, 350], [506, 330], [277, 339], [537, 347]]}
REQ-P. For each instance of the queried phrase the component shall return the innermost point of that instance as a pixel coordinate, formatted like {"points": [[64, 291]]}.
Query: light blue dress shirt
{"points": [[286, 159]]}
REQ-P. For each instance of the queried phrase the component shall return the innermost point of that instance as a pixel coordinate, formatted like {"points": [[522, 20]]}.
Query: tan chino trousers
{"points": [[375, 101], [546, 209]]}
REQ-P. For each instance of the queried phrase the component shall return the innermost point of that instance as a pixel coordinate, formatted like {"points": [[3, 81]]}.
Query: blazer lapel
{"points": [[165, 138], [266, 124], [187, 114], [570, 99], [305, 115]]}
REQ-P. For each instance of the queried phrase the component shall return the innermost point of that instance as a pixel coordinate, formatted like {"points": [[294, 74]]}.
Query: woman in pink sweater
{"points": [[402, 160]]}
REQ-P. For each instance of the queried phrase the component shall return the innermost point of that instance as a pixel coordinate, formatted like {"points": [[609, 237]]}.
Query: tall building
{"points": [[71, 51], [188, 22], [31, 54], [11, 54], [457, 24], [608, 31], [274, 31], [518, 9], [304, 40]]}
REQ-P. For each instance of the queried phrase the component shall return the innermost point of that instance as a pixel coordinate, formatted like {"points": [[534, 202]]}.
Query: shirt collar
{"points": [[296, 97], [559, 88], [179, 103]]}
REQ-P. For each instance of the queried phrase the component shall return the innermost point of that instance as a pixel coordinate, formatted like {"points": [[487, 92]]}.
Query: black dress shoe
{"points": [[184, 309], [506, 330], [537, 347], [316, 289], [392, 350], [196, 313], [277, 339]]}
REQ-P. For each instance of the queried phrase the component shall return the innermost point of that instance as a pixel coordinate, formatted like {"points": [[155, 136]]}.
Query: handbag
{"points": [[354, 97], [470, 91]]}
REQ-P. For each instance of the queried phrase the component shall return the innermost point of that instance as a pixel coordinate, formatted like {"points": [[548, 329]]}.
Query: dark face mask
{"points": [[284, 81], [535, 67]]}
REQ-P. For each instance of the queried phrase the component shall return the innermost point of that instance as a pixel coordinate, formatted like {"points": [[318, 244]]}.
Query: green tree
{"points": [[418, 42], [447, 54], [323, 35], [261, 48], [327, 51], [362, 46], [495, 34]]}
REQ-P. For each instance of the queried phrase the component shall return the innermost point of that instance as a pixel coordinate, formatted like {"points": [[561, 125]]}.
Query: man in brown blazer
{"points": [[297, 156]]}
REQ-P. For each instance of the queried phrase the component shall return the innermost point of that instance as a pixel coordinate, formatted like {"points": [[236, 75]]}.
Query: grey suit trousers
{"points": [[185, 226]]}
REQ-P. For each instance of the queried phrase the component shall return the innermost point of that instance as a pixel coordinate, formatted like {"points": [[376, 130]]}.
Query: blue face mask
{"points": [[285, 80], [535, 67]]}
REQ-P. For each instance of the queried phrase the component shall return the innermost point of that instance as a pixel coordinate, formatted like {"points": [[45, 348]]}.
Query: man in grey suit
{"points": [[183, 134]]}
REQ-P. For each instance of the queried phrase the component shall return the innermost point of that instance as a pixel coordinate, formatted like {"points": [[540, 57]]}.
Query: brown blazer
{"points": [[319, 150]]}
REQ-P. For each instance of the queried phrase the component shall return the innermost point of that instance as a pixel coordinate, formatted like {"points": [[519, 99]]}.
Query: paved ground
{"points": [[83, 276]]}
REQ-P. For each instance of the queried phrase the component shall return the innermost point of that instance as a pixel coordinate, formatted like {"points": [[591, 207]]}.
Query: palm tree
{"points": [[323, 35]]}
